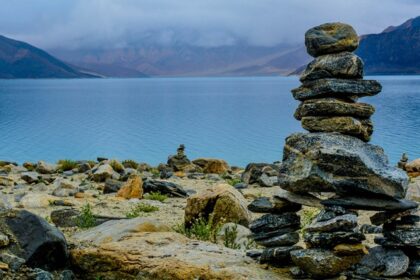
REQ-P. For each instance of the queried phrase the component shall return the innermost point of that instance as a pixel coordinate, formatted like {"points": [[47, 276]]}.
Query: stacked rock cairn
{"points": [[334, 168]]}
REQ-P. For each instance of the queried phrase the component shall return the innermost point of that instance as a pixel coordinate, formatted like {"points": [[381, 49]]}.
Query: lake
{"points": [[241, 120]]}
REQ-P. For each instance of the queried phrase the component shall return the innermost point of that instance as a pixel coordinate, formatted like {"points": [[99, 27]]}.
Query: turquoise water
{"points": [[241, 120]]}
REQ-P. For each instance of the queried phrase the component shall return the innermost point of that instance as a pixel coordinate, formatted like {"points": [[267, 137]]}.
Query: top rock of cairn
{"points": [[331, 38]]}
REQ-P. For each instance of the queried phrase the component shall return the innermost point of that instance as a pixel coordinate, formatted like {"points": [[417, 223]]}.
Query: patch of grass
{"points": [[67, 164], [155, 172], [231, 233], [116, 165], [200, 229], [233, 181], [139, 209], [129, 163], [307, 216], [156, 196], [86, 219]]}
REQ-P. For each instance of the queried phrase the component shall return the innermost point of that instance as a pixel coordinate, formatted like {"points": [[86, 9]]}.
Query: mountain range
{"points": [[396, 50]]}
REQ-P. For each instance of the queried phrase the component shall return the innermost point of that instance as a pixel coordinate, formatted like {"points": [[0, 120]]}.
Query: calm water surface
{"points": [[239, 119]]}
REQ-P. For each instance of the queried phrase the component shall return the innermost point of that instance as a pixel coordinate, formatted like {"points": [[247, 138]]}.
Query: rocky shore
{"points": [[333, 208]]}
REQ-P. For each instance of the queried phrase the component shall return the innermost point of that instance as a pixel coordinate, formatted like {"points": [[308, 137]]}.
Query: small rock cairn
{"points": [[335, 160]]}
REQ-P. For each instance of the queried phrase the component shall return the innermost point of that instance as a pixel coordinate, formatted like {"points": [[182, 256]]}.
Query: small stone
{"points": [[383, 262], [267, 181], [271, 222], [386, 217], [278, 256], [65, 217], [211, 165], [254, 171], [265, 205], [268, 236], [4, 240], [330, 239], [102, 173], [30, 177], [164, 187], [344, 65], [350, 249], [340, 223], [65, 187], [321, 263], [286, 239], [301, 198], [4, 266], [370, 229], [254, 254], [414, 268], [45, 168], [240, 186], [361, 129], [332, 212], [406, 237], [112, 186], [338, 88], [333, 107], [13, 261], [67, 275], [42, 275], [331, 38]]}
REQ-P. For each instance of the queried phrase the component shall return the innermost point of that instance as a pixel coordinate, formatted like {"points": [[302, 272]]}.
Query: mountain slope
{"points": [[394, 51], [21, 60]]}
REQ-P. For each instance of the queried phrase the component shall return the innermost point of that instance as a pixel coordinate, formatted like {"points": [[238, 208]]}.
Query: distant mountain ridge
{"points": [[394, 51], [22, 60]]}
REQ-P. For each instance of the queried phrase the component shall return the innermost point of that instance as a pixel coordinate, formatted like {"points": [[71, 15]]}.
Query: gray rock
{"points": [[40, 274], [14, 262], [388, 216], [103, 172], [240, 186], [369, 229], [333, 107], [270, 222], [268, 181], [321, 263], [265, 205], [278, 256], [338, 88], [406, 237], [254, 171], [303, 199], [112, 186], [45, 168], [268, 235], [371, 203], [36, 241], [344, 65], [286, 239], [360, 128], [329, 213], [330, 239], [83, 167], [30, 177], [164, 187], [383, 262], [65, 187], [331, 38], [4, 240], [332, 162], [414, 268], [340, 223]]}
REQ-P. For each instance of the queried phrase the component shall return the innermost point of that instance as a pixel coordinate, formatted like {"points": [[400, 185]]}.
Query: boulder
{"points": [[210, 165], [102, 173], [162, 255], [321, 263], [338, 88], [164, 187], [333, 107], [133, 188], [383, 262], [361, 129], [222, 203], [45, 168], [344, 65], [332, 162], [34, 240], [331, 38]]}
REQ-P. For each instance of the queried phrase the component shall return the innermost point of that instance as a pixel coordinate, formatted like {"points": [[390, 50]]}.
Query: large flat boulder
{"points": [[332, 162]]}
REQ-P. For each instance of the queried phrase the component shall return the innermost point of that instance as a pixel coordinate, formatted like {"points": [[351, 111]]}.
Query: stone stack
{"points": [[332, 83], [335, 158], [276, 230]]}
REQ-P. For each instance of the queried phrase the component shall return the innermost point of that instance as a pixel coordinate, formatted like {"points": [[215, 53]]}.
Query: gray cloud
{"points": [[110, 23]]}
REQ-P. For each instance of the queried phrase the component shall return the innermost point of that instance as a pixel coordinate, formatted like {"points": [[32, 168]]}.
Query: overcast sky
{"points": [[117, 23]]}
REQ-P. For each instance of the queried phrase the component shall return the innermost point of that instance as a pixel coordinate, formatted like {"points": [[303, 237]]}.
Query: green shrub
{"points": [[231, 233], [128, 163], [139, 209], [67, 164], [233, 181], [155, 172], [116, 165], [200, 229], [156, 196], [307, 216], [86, 219]]}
